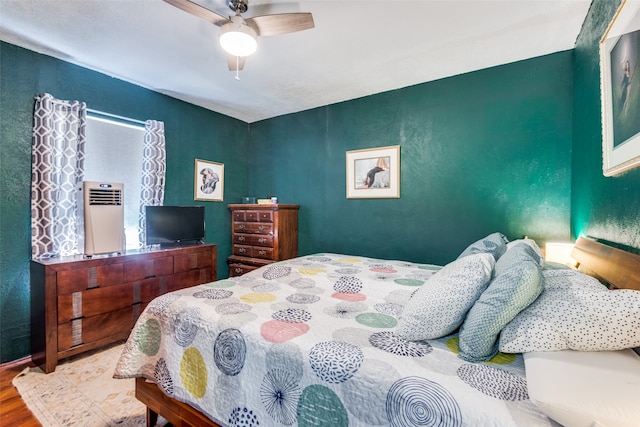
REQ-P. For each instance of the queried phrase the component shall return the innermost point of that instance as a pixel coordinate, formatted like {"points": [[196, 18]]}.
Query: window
{"points": [[114, 153], [120, 150]]}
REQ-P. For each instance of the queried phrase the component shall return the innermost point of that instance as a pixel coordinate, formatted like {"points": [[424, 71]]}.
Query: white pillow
{"points": [[585, 389], [575, 312], [439, 306]]}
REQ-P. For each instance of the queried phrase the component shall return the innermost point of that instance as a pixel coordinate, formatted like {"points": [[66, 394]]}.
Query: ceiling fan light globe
{"points": [[238, 40]]}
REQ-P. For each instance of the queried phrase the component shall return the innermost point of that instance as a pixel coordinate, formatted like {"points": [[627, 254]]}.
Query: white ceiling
{"points": [[357, 48]]}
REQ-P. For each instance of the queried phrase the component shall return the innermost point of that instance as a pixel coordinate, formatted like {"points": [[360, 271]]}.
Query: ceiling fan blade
{"points": [[282, 23], [235, 63], [271, 8], [199, 11]]}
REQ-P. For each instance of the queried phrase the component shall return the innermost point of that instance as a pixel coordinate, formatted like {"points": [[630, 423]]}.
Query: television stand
{"points": [[177, 245], [80, 304]]}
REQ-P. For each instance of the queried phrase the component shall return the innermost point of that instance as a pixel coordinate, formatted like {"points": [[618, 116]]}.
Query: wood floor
{"points": [[13, 411]]}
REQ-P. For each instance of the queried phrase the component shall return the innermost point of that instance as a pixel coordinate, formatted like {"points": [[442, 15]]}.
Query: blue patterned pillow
{"points": [[537, 253], [494, 244], [438, 307], [516, 284]]}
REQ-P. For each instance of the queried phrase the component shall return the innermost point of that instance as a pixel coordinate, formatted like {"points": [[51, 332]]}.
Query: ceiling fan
{"points": [[238, 35]]}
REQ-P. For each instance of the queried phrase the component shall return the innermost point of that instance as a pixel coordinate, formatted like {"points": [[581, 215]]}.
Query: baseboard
{"points": [[24, 361]]}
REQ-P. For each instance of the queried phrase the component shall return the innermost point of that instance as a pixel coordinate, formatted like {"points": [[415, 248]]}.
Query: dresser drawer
{"points": [[144, 269], [242, 250], [94, 301], [251, 216], [239, 216], [91, 329], [265, 216], [253, 239], [253, 227], [240, 269], [192, 261], [150, 288], [263, 253], [188, 279], [253, 251], [69, 281]]}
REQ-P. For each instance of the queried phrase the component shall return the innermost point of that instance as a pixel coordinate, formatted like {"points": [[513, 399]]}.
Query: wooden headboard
{"points": [[620, 269]]}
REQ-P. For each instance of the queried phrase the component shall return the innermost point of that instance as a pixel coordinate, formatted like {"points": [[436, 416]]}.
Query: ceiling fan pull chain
{"points": [[237, 67]]}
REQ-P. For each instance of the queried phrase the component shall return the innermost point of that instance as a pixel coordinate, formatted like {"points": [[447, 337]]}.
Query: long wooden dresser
{"points": [[261, 235], [79, 304]]}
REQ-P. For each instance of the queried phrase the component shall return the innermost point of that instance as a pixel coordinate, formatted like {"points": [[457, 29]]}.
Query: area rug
{"points": [[82, 392]]}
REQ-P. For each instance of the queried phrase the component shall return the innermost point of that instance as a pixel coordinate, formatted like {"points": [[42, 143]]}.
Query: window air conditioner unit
{"points": [[103, 217]]}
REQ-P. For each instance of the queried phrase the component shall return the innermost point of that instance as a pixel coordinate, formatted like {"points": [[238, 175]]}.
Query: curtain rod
{"points": [[113, 116]]}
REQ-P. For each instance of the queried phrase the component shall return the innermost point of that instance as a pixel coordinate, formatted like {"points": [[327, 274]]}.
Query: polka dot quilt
{"points": [[312, 342]]}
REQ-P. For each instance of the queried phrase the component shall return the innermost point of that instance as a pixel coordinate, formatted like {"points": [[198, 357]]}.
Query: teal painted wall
{"points": [[606, 208], [485, 151], [191, 132], [481, 152]]}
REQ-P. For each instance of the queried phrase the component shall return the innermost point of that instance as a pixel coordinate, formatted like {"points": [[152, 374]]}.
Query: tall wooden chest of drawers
{"points": [[261, 235], [79, 304]]}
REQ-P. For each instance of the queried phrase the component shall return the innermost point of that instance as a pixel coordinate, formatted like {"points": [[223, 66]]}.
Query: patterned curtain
{"points": [[57, 174], [153, 171]]}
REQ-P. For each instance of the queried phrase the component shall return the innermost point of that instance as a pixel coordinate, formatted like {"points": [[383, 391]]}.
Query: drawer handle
{"points": [[238, 270], [262, 240], [241, 239], [241, 250], [262, 227], [241, 227], [262, 252]]}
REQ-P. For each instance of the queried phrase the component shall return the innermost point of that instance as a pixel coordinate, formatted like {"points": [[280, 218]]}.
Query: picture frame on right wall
{"points": [[373, 173], [620, 90]]}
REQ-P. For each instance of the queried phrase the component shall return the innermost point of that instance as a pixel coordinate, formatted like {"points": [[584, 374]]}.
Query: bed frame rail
{"points": [[177, 413]]}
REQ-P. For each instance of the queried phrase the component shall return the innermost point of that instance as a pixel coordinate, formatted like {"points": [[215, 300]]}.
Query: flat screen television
{"points": [[174, 225]]}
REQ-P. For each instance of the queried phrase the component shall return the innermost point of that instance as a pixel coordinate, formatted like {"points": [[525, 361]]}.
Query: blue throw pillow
{"points": [[537, 253], [517, 282], [495, 244]]}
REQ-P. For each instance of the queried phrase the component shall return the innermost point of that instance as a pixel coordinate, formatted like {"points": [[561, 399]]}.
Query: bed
{"points": [[331, 340]]}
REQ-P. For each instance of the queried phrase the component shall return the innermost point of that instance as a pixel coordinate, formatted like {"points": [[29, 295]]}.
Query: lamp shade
{"points": [[237, 38], [559, 252]]}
